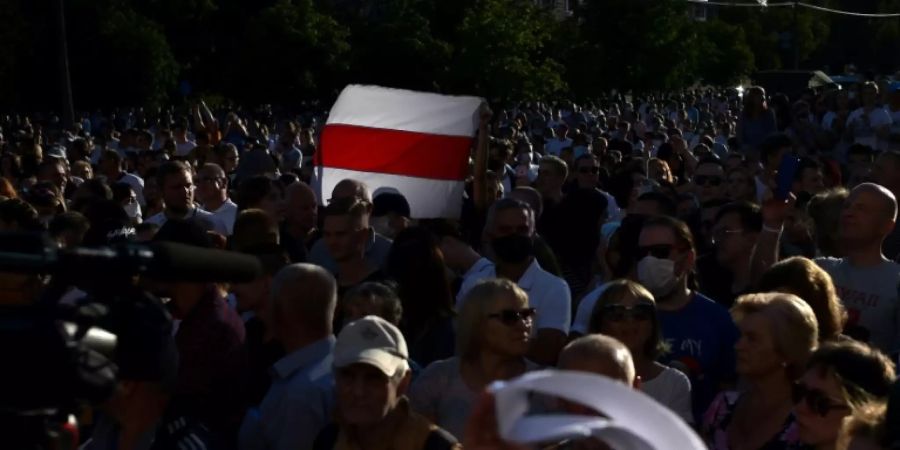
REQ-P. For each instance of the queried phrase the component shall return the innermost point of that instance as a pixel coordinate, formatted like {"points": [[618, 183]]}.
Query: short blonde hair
{"points": [[793, 324], [475, 309]]}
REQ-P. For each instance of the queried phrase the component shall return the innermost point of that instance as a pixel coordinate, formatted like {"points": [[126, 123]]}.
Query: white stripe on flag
{"points": [[428, 198], [396, 109]]}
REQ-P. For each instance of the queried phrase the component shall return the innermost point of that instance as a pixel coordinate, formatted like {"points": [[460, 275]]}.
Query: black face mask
{"points": [[514, 248]]}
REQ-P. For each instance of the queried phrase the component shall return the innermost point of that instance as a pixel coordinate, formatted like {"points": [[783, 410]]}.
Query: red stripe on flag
{"points": [[395, 152]]}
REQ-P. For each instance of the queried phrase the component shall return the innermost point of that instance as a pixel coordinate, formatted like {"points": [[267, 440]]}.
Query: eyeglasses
{"points": [[586, 170], [511, 317], [661, 251], [815, 399], [208, 179], [702, 180], [619, 313]]}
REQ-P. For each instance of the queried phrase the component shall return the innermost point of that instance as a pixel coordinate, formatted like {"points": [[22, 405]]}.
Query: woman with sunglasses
{"points": [[842, 377], [493, 335], [627, 311], [778, 334]]}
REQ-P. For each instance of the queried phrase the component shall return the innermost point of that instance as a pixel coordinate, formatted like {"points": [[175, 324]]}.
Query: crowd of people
{"points": [[656, 240]]}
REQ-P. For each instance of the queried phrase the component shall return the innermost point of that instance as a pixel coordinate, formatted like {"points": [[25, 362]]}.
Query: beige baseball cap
{"points": [[373, 341]]}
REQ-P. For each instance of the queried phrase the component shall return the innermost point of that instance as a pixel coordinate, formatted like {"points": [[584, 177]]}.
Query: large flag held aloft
{"points": [[393, 140]]}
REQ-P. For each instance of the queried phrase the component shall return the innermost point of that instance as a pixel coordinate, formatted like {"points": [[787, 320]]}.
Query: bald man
{"points": [[300, 401], [300, 220], [377, 246], [351, 188], [600, 355], [866, 281], [212, 194]]}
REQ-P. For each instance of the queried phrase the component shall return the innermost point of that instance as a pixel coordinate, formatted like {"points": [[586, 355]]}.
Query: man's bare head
{"points": [[349, 188], [601, 355], [885, 196]]}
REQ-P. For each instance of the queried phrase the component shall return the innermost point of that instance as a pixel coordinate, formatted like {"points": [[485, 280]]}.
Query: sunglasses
{"points": [[619, 313], [815, 399], [587, 170], [511, 317], [703, 180], [661, 251]]}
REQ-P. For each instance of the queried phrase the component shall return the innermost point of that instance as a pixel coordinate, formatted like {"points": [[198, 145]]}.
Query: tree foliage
{"points": [[291, 51], [503, 51], [632, 44], [283, 51], [723, 53], [393, 45]]}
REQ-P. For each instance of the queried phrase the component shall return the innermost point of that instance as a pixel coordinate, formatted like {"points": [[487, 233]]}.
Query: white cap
{"points": [[373, 341]]}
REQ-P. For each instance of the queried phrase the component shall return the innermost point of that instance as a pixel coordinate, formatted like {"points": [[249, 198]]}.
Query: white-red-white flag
{"points": [[414, 143]]}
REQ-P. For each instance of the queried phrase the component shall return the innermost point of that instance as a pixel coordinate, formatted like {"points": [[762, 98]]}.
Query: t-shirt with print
{"points": [[701, 338], [870, 296]]}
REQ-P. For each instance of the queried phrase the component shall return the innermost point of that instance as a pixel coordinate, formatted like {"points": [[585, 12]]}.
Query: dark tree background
{"points": [[153, 52]]}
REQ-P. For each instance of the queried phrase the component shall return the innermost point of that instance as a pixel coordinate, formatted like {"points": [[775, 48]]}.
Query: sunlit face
{"points": [[510, 338]]}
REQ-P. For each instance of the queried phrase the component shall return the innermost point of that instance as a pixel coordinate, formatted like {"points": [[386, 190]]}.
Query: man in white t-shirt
{"points": [[177, 186], [110, 167], [865, 280], [212, 193], [510, 229], [870, 124]]}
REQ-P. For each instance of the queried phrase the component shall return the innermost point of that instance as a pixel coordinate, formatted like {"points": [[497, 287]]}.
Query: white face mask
{"points": [[133, 210], [657, 275]]}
